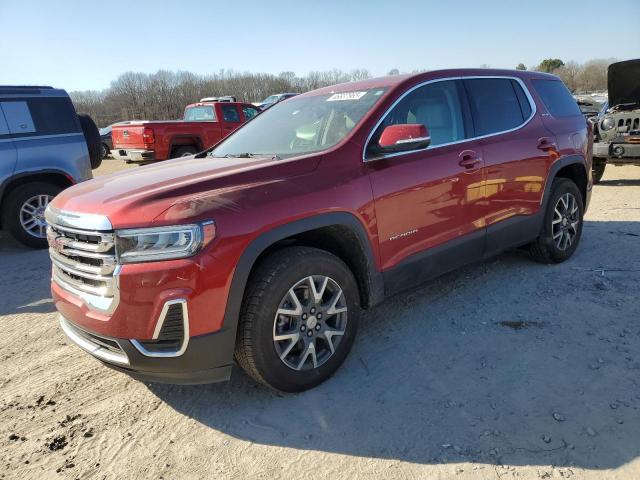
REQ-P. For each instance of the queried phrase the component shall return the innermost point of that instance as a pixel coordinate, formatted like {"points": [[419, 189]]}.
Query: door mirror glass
{"points": [[404, 137]]}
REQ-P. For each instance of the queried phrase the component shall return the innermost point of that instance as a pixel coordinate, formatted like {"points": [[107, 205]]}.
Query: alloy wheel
{"points": [[310, 323], [32, 216], [566, 218]]}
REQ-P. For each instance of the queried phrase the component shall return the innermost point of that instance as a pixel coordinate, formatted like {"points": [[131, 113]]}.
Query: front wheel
{"points": [[23, 213], [298, 320], [562, 227]]}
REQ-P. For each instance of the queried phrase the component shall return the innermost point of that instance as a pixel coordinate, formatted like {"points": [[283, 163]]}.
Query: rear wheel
{"points": [[23, 213], [184, 151], [597, 169], [299, 319], [562, 227], [104, 151]]}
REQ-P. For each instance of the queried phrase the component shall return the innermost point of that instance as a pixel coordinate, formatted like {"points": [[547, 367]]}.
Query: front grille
{"points": [[629, 123], [83, 259]]}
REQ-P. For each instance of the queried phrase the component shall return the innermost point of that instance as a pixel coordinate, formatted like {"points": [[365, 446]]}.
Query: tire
{"points": [[104, 151], [549, 247], [598, 169], [259, 352], [184, 151], [92, 137], [13, 215]]}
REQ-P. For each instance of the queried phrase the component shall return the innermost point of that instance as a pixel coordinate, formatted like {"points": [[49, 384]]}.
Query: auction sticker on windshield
{"points": [[346, 96]]}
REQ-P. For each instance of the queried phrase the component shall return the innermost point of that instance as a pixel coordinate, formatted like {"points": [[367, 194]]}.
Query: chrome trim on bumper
{"points": [[92, 348], [160, 323], [91, 297]]}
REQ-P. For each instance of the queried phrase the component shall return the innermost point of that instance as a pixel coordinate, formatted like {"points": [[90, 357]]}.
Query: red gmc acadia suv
{"points": [[268, 247]]}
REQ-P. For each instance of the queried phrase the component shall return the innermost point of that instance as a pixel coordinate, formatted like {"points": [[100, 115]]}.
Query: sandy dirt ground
{"points": [[506, 369]]}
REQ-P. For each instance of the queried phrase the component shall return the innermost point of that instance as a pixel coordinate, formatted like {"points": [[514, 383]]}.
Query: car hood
{"points": [[137, 197], [623, 82]]}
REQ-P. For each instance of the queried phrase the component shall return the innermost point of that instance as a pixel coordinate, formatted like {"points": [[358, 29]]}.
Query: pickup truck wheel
{"points": [[299, 319], [184, 152], [598, 169], [23, 213], [562, 227], [104, 151]]}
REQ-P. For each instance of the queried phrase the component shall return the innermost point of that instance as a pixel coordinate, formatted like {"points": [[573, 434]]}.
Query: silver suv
{"points": [[45, 147]]}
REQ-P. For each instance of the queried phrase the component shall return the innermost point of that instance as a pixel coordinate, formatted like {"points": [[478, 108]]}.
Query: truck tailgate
{"points": [[127, 136]]}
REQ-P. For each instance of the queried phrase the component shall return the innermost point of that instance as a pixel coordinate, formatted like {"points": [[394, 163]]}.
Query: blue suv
{"points": [[45, 147]]}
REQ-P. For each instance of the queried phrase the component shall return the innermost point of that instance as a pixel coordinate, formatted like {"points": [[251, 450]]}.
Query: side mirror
{"points": [[401, 138]]}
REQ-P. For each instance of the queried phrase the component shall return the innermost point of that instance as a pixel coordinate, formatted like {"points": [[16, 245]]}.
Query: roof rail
{"points": [[24, 87]]}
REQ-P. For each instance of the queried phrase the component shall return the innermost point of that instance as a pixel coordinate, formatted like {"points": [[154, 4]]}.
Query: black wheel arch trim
{"points": [[34, 173], [260, 244], [553, 172]]}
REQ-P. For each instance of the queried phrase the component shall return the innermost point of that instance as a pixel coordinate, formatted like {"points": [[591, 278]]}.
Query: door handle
{"points": [[546, 144], [468, 159]]}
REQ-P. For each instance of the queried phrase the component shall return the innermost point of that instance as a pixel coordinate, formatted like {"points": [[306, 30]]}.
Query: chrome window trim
{"points": [[532, 103], [92, 348], [82, 221], [158, 328]]}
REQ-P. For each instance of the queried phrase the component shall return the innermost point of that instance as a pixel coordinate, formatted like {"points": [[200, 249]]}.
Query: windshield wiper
{"points": [[252, 155]]}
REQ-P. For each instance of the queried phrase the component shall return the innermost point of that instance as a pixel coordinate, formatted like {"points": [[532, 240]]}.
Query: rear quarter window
{"points": [[557, 98], [53, 116]]}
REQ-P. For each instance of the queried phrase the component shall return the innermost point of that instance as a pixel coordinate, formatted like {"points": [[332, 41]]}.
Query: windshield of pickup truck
{"points": [[300, 125]]}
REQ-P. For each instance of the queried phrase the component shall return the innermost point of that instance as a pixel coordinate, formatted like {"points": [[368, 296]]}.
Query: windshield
{"points": [[300, 125], [105, 130], [199, 114], [270, 99]]}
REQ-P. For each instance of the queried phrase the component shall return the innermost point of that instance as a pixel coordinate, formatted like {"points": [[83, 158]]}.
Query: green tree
{"points": [[521, 66], [550, 64]]}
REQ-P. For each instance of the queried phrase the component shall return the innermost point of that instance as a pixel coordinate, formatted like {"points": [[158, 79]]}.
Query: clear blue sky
{"points": [[84, 44]]}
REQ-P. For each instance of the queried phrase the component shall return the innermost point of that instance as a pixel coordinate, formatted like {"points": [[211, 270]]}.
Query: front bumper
{"points": [[618, 152], [133, 155], [207, 358]]}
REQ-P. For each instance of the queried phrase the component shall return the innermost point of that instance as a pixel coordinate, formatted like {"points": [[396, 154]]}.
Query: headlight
{"points": [[162, 243], [608, 123]]}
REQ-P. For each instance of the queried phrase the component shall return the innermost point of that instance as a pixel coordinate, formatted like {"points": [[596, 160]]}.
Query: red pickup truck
{"points": [[204, 125]]}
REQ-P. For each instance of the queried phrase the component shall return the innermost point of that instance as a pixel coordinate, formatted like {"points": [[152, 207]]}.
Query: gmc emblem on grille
{"points": [[56, 245]]}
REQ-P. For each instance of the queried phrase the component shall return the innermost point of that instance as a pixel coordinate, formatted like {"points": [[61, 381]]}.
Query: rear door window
{"points": [[495, 105], [557, 98], [230, 113], [18, 117], [4, 128]]}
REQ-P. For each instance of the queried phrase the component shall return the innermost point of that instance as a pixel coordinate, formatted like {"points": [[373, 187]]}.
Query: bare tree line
{"points": [[590, 76], [164, 94]]}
